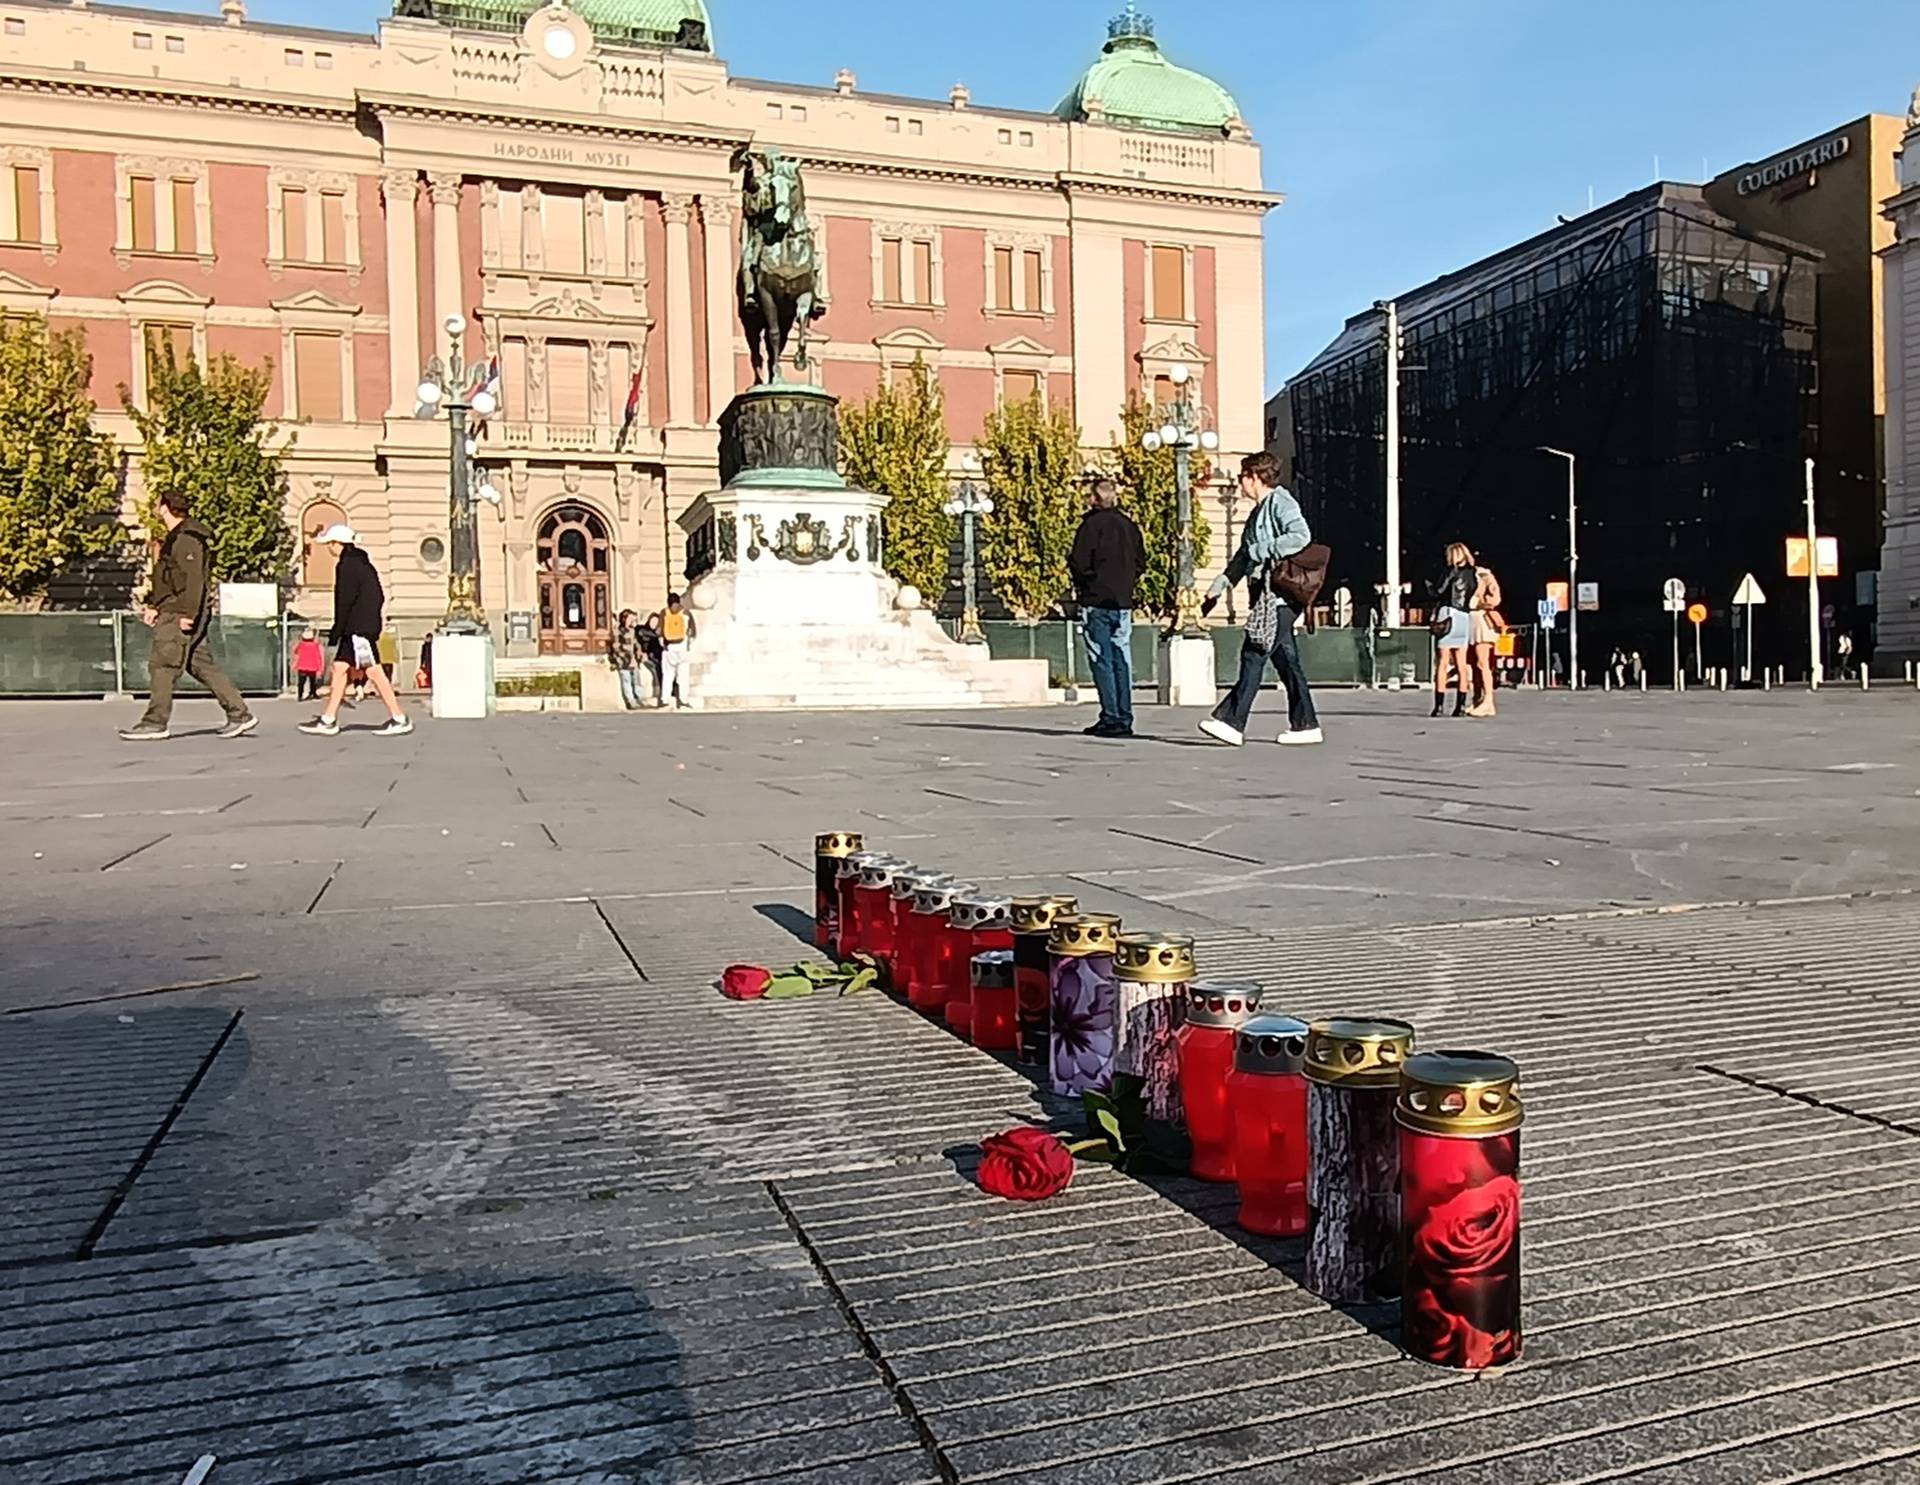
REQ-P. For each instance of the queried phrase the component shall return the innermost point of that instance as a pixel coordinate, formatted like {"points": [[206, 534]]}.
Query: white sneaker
{"points": [[321, 726], [1305, 737], [396, 727], [1220, 732]]}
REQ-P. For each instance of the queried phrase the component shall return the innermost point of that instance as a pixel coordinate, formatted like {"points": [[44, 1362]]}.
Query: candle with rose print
{"points": [[847, 881], [930, 947], [1267, 1097], [977, 921], [995, 1026], [1032, 922], [1214, 1013], [1353, 1170], [1459, 1115], [1081, 1002], [1151, 973], [830, 848]]}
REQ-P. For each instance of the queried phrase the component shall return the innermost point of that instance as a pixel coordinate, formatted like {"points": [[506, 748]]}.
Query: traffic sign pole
{"points": [[1676, 649]]}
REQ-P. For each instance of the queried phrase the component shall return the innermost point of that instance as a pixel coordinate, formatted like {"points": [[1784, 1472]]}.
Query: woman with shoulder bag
{"points": [[1487, 626], [1452, 626]]}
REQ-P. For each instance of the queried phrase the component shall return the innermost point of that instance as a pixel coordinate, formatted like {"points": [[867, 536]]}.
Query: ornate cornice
{"points": [[600, 126], [178, 94], [1039, 181]]}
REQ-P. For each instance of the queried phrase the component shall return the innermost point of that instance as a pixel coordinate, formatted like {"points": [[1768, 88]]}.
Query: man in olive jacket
{"points": [[179, 609]]}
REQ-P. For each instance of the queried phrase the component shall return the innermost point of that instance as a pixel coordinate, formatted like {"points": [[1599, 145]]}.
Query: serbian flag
{"points": [[633, 411]]}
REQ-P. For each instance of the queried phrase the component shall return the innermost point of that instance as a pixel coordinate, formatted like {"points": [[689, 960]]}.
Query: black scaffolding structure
{"points": [[1669, 350]]}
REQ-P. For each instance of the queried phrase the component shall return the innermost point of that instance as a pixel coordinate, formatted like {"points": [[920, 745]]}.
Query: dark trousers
{"points": [[174, 652], [1109, 636], [1236, 707], [309, 686]]}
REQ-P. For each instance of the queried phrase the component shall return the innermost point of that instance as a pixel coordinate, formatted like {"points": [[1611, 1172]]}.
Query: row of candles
{"points": [[1401, 1169]]}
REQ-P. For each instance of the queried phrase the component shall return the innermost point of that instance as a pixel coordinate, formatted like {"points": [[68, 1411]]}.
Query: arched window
{"points": [[317, 561]]}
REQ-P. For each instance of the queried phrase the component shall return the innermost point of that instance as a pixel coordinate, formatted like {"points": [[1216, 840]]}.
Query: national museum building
{"points": [[558, 181]]}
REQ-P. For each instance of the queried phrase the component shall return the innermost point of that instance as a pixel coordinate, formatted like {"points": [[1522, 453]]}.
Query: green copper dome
{"points": [[682, 23], [1134, 84]]}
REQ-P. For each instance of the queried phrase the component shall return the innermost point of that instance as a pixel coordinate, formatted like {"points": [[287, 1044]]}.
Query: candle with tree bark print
{"points": [[1032, 922], [847, 885], [1459, 1116], [1151, 973], [928, 951], [1214, 1013], [1081, 994], [1353, 1168], [1267, 1097]]}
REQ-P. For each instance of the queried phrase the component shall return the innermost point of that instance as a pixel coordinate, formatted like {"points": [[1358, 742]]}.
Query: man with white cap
{"points": [[357, 603]]}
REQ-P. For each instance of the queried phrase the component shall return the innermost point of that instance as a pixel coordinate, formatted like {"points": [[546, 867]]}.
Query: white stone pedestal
{"points": [[1187, 671], [792, 607], [462, 675]]}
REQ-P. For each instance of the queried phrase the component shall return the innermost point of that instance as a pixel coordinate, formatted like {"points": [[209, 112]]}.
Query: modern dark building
{"points": [[1670, 350]]}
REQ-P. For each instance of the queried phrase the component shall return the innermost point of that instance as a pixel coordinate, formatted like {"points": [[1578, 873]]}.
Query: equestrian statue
{"points": [[780, 286]]}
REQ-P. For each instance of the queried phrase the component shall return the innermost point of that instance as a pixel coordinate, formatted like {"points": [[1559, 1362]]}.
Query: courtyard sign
{"points": [[1788, 166]]}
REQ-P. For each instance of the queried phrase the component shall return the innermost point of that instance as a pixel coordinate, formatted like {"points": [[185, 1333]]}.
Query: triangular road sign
{"points": [[1749, 591]]}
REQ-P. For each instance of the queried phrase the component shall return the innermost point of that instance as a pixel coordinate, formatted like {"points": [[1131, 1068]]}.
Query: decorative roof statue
{"points": [[780, 287], [1913, 110]]}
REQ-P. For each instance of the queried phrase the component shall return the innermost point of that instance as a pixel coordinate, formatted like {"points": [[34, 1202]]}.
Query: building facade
{"points": [[557, 181], [1670, 350], [1900, 558]]}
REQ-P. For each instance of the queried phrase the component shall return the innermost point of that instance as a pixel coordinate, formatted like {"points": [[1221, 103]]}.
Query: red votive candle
{"points": [[926, 951], [996, 1023], [847, 887], [976, 922], [1267, 1097], [1214, 1013]]}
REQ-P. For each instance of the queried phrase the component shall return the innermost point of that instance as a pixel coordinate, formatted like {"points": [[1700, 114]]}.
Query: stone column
{"points": [[398, 189], [446, 250], [716, 216], [678, 211]]}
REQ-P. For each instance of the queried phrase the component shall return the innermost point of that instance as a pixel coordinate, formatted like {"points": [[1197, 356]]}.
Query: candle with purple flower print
{"points": [[1082, 1001], [1459, 1115]]}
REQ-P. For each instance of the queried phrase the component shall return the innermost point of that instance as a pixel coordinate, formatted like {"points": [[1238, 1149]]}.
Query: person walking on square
{"points": [[1276, 529], [1453, 598], [357, 603], [623, 654], [676, 633], [308, 663], [179, 610], [1106, 561]]}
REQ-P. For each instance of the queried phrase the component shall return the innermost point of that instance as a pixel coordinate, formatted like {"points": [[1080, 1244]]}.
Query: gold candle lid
{"points": [[1036, 914], [1081, 934], [1464, 1094], [838, 843], [1153, 958], [1357, 1052]]}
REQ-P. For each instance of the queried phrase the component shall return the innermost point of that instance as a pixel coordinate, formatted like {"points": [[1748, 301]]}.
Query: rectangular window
{"points": [[185, 238], [1003, 278], [333, 227], [323, 60], [293, 224], [513, 379], [143, 41], [141, 189], [1030, 275], [922, 288], [1026, 139], [915, 126], [1163, 391], [1005, 136], [893, 123], [316, 376], [567, 383], [294, 57], [176, 44], [164, 341], [26, 203], [16, 26], [890, 286], [563, 220], [1169, 283], [798, 113], [1019, 386]]}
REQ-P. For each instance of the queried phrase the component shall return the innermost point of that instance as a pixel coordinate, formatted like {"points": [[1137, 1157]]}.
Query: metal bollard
{"points": [[1723, 678], [1214, 1014], [1082, 992], [1766, 679], [1643, 683], [1353, 1172], [1865, 682], [1459, 1115]]}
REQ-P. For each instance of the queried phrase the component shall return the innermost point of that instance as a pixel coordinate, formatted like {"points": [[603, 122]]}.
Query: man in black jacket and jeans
{"points": [[1107, 559], [357, 601]]}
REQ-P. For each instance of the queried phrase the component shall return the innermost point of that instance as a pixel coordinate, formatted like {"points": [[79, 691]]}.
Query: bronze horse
{"points": [[779, 285]]}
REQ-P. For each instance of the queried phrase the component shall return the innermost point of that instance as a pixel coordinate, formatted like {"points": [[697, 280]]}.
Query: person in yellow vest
{"points": [[676, 633]]}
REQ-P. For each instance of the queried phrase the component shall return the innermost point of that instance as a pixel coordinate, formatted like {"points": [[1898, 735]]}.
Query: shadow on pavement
{"points": [[1068, 732], [789, 917]]}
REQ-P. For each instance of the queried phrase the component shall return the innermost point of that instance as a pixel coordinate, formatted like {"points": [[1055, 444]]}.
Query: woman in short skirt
{"points": [[1453, 597]]}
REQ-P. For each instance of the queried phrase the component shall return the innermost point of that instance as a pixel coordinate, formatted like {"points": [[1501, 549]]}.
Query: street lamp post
{"points": [[1573, 571], [1183, 434], [969, 503], [455, 389]]}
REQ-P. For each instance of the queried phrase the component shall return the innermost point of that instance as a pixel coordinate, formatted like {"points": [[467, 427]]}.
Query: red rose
{"points": [[1443, 1167], [745, 982], [1471, 1234], [1435, 1334], [1024, 1164]]}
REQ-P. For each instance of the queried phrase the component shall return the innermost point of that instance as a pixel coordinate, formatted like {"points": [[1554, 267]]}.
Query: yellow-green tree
{"points": [[895, 444], [1148, 494], [1030, 454], [205, 435], [59, 476]]}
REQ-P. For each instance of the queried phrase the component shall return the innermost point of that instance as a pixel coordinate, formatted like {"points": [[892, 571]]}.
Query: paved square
{"points": [[366, 1112]]}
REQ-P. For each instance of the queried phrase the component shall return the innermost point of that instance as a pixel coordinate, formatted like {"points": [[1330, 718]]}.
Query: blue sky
{"points": [[1410, 136]]}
